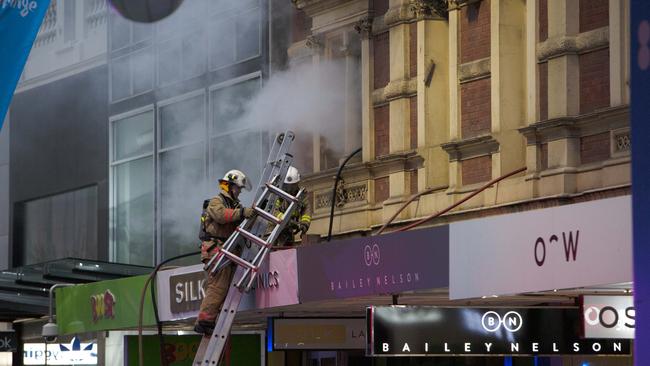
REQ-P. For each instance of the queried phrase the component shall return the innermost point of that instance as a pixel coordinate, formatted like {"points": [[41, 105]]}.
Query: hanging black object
{"points": [[145, 11]]}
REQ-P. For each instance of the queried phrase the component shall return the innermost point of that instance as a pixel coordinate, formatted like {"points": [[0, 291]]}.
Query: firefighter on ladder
{"points": [[220, 216], [301, 217]]}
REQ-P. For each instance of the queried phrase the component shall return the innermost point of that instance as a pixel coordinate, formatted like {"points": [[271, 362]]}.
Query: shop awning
{"points": [[24, 290]]}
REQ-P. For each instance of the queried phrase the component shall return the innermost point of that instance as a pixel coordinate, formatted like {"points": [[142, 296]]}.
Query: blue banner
{"points": [[640, 89], [19, 24]]}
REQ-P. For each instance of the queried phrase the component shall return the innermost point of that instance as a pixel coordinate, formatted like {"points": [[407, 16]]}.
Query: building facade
{"points": [[454, 94]]}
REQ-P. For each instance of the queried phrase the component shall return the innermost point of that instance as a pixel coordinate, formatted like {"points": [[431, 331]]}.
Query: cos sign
{"points": [[608, 316]]}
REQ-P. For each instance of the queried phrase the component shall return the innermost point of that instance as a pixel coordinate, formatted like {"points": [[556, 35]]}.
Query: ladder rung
{"points": [[238, 260], [257, 240], [267, 216], [281, 193]]}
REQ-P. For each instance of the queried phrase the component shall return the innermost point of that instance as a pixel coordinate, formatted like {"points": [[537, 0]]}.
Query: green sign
{"points": [[245, 349], [103, 305]]}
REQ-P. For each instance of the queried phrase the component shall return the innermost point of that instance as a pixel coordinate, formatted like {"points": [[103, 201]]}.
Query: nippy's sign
{"points": [[434, 331]]}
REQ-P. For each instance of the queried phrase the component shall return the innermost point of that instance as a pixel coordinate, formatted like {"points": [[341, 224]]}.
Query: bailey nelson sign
{"points": [[383, 264], [435, 331]]}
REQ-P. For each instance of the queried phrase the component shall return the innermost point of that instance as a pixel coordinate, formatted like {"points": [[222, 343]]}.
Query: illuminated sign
{"points": [[435, 331], [608, 316]]}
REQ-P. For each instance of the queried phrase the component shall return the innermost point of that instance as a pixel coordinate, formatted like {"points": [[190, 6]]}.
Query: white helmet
{"points": [[293, 176], [237, 177]]}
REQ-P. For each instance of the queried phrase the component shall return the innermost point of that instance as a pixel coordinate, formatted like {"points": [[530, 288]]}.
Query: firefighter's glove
{"points": [[247, 212], [303, 229]]}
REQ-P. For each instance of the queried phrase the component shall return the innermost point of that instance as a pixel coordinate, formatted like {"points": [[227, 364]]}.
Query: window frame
{"points": [[113, 164]]}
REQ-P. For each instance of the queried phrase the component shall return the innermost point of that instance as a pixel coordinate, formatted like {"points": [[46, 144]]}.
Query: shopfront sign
{"points": [[608, 316], [319, 333], [181, 290], [434, 331], [103, 305], [73, 353], [577, 245], [383, 264], [8, 342]]}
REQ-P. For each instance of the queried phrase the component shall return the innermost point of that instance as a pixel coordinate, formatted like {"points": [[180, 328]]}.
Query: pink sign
{"points": [[277, 281]]}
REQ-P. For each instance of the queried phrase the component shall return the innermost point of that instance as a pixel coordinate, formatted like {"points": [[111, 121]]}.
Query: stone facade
{"points": [[456, 93]]}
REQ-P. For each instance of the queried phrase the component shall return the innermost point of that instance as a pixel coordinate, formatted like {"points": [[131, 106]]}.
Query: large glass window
{"points": [[63, 225], [235, 33], [175, 166], [133, 189], [182, 173]]}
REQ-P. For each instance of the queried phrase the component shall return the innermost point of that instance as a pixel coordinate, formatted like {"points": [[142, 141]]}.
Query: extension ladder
{"points": [[250, 231]]}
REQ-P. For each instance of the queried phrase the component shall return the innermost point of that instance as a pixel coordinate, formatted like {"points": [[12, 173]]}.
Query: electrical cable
{"points": [[141, 309], [336, 183]]}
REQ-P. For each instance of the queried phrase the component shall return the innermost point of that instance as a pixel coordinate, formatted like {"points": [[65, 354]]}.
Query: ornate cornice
{"points": [[576, 126], [430, 9], [472, 147], [567, 45]]}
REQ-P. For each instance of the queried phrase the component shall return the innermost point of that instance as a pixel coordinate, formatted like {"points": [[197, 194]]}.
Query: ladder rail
{"points": [[268, 190]]}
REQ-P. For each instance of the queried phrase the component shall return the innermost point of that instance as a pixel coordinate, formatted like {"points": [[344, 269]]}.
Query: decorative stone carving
{"points": [[47, 32], [344, 195], [474, 70], [399, 15], [428, 9], [364, 27], [94, 13], [560, 46], [472, 147], [314, 42], [622, 142]]}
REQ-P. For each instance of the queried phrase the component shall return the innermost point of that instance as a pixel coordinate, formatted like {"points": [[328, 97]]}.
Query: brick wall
{"points": [[382, 130], [542, 70], [594, 148], [414, 182], [542, 21], [413, 49], [475, 31], [593, 14], [380, 7], [382, 189], [381, 63], [413, 105], [476, 170], [300, 25], [594, 80], [543, 152], [475, 108]]}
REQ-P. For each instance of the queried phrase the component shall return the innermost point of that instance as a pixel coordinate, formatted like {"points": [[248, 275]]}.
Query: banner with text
{"points": [[577, 245], [608, 316], [435, 331], [384, 264]]}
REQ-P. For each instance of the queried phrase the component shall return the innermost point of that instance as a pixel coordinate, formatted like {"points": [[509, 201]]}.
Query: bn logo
{"points": [[492, 321], [371, 255]]}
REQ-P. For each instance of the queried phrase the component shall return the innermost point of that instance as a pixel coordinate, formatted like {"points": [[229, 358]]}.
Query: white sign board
{"points": [[577, 245], [608, 316], [75, 353]]}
